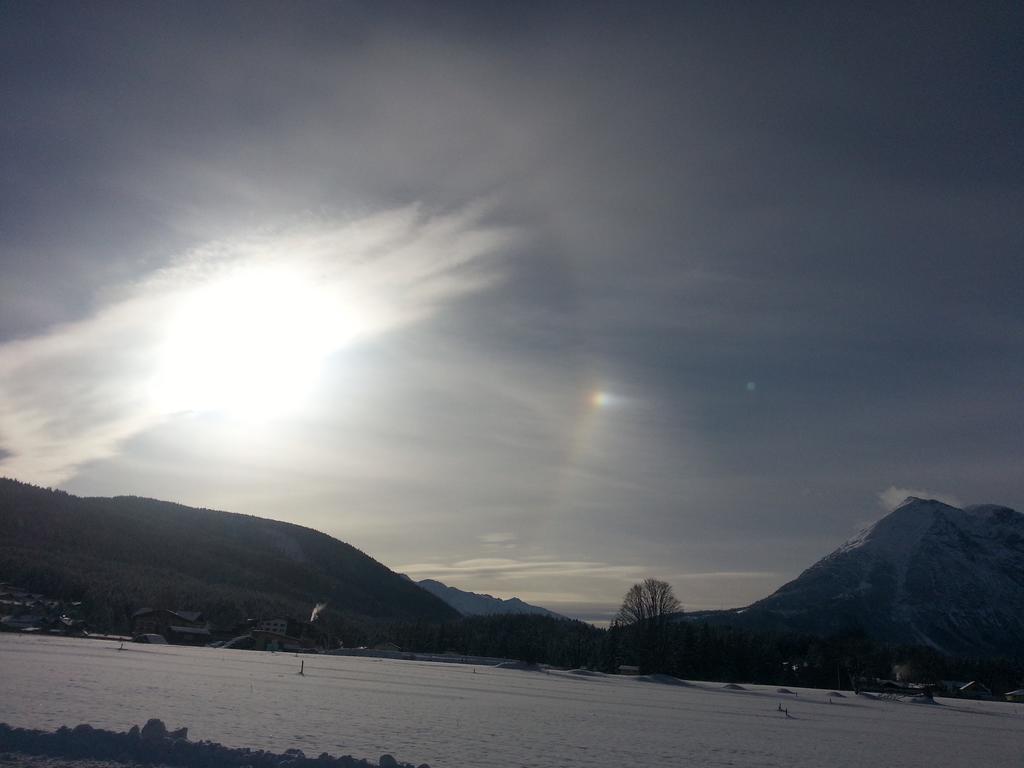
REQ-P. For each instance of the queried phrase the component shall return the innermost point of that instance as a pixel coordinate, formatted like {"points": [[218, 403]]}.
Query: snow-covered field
{"points": [[451, 715]]}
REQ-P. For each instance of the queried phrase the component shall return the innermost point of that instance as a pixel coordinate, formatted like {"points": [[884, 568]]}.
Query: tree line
{"points": [[651, 633]]}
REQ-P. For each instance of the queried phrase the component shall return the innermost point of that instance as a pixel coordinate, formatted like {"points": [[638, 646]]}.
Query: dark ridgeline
{"points": [[476, 604], [120, 554]]}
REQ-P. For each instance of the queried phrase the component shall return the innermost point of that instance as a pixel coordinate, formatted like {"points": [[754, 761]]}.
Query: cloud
{"points": [[500, 538], [77, 392], [716, 575], [476, 422], [519, 569], [510, 568], [893, 496]]}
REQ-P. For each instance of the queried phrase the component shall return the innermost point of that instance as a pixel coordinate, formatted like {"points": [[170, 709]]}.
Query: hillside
{"points": [[120, 554], [476, 604], [927, 573]]}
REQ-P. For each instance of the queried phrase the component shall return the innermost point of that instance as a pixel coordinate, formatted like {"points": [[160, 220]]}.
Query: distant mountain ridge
{"points": [[123, 553], [476, 604], [928, 573]]}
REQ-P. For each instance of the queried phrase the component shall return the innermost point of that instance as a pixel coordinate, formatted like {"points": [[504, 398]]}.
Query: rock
{"points": [[181, 733], [423, 765], [133, 733], [154, 730], [388, 761]]}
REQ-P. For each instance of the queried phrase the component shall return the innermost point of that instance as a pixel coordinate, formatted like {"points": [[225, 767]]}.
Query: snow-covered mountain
{"points": [[475, 604], [927, 573]]}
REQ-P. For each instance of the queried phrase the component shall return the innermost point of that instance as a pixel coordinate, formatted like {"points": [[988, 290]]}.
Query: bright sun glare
{"points": [[251, 344]]}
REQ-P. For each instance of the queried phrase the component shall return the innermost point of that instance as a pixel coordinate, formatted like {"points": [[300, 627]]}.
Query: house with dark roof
{"points": [[976, 690], [181, 627], [286, 634]]}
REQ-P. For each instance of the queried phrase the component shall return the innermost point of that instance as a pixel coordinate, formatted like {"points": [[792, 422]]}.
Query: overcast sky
{"points": [[537, 299]]}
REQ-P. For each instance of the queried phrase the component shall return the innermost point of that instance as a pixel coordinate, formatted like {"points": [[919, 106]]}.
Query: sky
{"points": [[537, 299]]}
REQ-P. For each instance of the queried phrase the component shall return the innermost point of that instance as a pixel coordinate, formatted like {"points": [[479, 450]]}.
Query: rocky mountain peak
{"points": [[927, 573]]}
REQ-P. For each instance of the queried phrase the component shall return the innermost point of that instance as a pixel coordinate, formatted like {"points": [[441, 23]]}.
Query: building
{"points": [[976, 690], [277, 626], [183, 627], [952, 686], [281, 634]]}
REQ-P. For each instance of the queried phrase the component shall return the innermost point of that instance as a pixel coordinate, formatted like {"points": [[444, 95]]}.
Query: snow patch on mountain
{"points": [[927, 573]]}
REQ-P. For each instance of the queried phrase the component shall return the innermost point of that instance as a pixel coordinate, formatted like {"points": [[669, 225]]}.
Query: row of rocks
{"points": [[153, 744]]}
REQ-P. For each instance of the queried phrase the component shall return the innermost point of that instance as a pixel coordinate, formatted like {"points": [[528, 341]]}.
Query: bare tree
{"points": [[644, 616], [649, 600]]}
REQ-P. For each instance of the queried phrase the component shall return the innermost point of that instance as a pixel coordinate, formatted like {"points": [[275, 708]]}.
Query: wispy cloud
{"points": [[77, 392], [719, 575], [511, 568], [498, 538], [519, 569]]}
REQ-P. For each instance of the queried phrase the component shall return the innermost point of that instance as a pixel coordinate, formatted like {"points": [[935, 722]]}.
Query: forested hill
{"points": [[120, 554]]}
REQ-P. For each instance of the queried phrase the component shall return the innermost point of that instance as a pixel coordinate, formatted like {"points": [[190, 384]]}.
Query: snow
{"points": [[453, 715], [927, 573], [897, 534]]}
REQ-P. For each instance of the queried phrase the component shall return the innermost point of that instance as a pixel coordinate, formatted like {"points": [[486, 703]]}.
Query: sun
{"points": [[250, 343]]}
